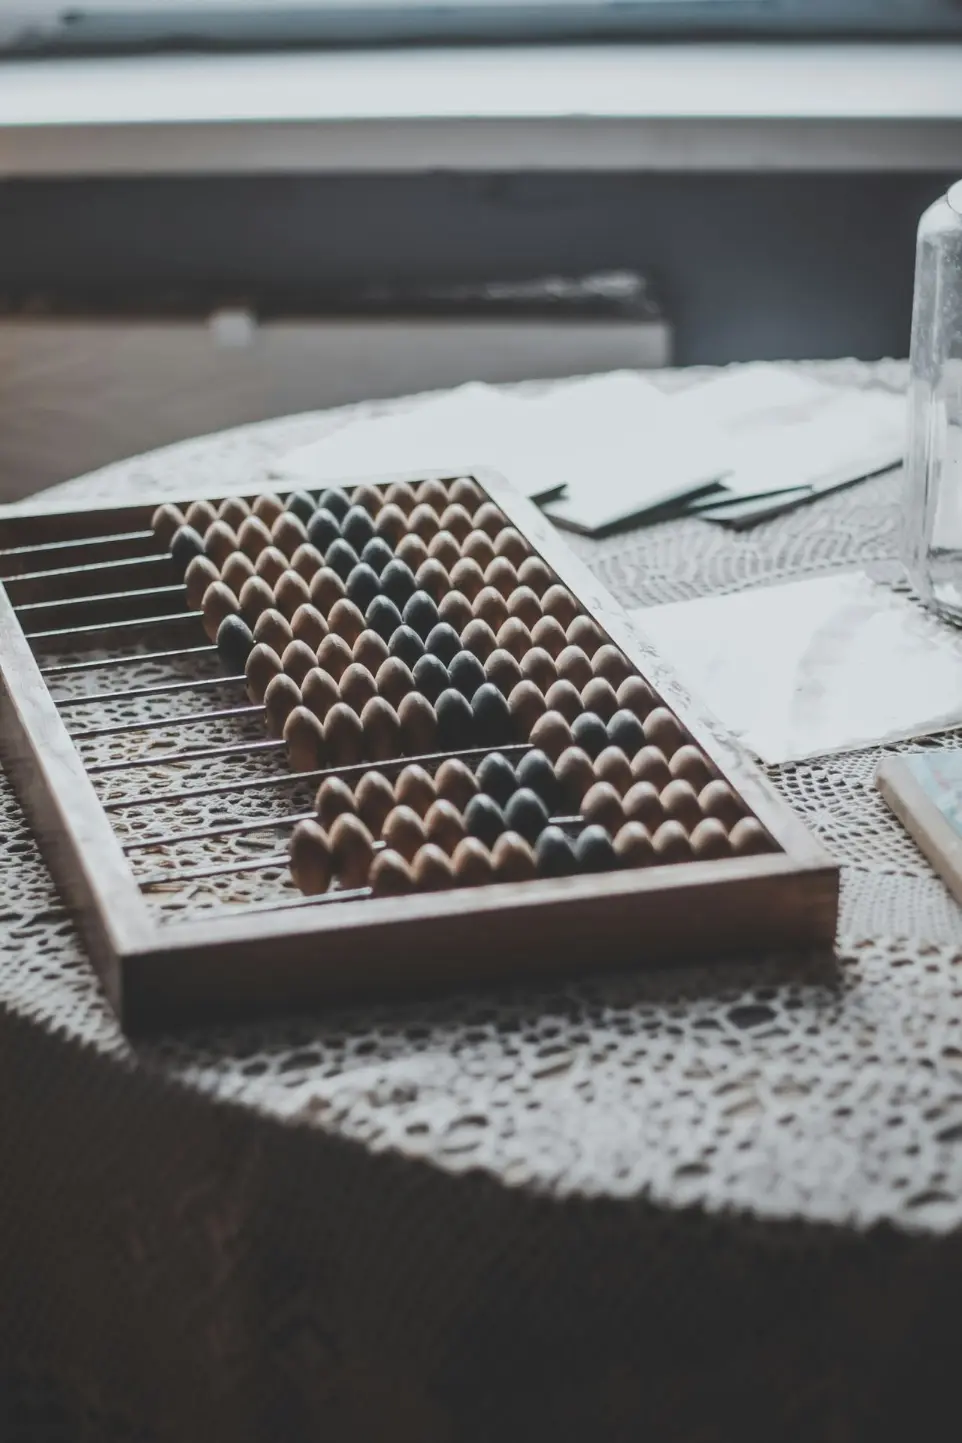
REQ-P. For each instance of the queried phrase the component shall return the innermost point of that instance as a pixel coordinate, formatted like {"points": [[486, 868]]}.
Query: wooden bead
{"points": [[432, 578], [548, 634], [523, 604], [490, 519], [334, 798], [512, 859], [551, 734], [370, 650], [424, 522], [412, 551], [502, 671], [374, 800], [500, 574], [610, 663], [718, 800], [304, 739], [748, 838], [611, 765], [307, 561], [478, 547], [403, 831], [635, 695], [642, 803], [534, 573], [583, 631], [357, 687], [599, 696], [601, 806], [415, 788], [263, 664], [393, 681], [390, 875], [343, 736], [563, 696], [680, 802], [444, 825], [526, 704], [633, 846], [663, 730], [200, 515], [309, 626], [166, 521], [334, 656], [200, 574], [511, 544], [326, 589], [273, 630], [288, 533], [290, 593], [651, 765], [382, 730], [709, 840], [689, 764], [255, 598], [238, 570], [559, 603], [478, 638], [345, 620], [432, 870], [432, 492], [219, 601], [514, 637], [253, 537], [311, 866], [490, 606], [467, 578], [234, 510], [390, 523], [471, 864], [399, 493], [575, 667], [466, 492], [536, 665], [444, 549], [455, 609], [267, 507], [298, 660], [319, 692], [419, 725], [455, 783], [575, 776], [670, 843], [220, 542], [352, 851], [271, 565], [456, 520], [370, 497]]}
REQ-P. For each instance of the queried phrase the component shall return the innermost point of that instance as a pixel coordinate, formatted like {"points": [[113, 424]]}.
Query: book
{"points": [[924, 790]]}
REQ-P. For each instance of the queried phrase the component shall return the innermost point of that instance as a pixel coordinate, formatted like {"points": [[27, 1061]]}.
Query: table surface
{"points": [[779, 1105]]}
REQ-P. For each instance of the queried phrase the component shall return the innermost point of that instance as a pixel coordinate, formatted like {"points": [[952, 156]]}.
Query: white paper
{"points": [[814, 667]]}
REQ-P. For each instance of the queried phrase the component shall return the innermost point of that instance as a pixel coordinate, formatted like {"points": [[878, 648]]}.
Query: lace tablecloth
{"points": [[711, 1203]]}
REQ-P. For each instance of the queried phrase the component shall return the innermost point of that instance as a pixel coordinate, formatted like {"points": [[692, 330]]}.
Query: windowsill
{"points": [[787, 107]]}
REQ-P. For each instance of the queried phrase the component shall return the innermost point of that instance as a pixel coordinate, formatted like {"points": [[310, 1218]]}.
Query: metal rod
{"points": [[201, 754], [134, 658], [120, 598], [165, 723], [200, 874], [106, 628], [286, 904], [55, 546], [164, 688], [43, 585]]}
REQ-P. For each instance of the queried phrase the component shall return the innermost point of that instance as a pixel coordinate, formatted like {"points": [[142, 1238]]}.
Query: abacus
{"points": [[279, 750]]}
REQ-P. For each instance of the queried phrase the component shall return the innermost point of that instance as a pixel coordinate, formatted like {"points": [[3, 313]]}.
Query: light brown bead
{"points": [[374, 799], [642, 803], [200, 515], [345, 620], [472, 863], [478, 638], [718, 800], [234, 510], [270, 566], [502, 671], [514, 637], [238, 569], [256, 597], [670, 843], [680, 802], [304, 739], [537, 666], [547, 633], [455, 609], [663, 730], [273, 630], [419, 725], [166, 522], [432, 870], [467, 577], [399, 493], [290, 593], [689, 764], [219, 602], [526, 704], [253, 537], [334, 798], [311, 865], [334, 656], [412, 551], [370, 650], [220, 542], [559, 603], [307, 561], [445, 549], [326, 589], [523, 604], [552, 734], [309, 626], [633, 846], [748, 838], [583, 631], [432, 578], [575, 775], [319, 692], [478, 547], [500, 574], [424, 522], [200, 574], [575, 667], [563, 696], [599, 696], [267, 508], [415, 788], [444, 825], [601, 804], [382, 730], [709, 840], [343, 736], [432, 492], [298, 660], [403, 831], [611, 664], [456, 520], [390, 875], [262, 665], [635, 695], [370, 497], [490, 519], [288, 533], [511, 543], [394, 681], [357, 687], [611, 765], [280, 699], [651, 765], [512, 859], [466, 492], [352, 851], [537, 574], [455, 782], [391, 523], [490, 606]]}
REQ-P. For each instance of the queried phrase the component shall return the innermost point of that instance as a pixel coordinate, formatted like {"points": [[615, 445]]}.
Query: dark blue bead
{"points": [[234, 643], [626, 731], [467, 673], [455, 721], [483, 819], [323, 529], [420, 613], [357, 527], [430, 677], [536, 772], [491, 716], [336, 501], [382, 616], [443, 642], [526, 814], [185, 544], [377, 554], [362, 586], [398, 582], [341, 557], [496, 777], [588, 732], [301, 505], [594, 851], [554, 854], [407, 646]]}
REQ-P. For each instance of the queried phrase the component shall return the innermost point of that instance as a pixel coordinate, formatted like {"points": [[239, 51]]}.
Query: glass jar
{"points": [[932, 518]]}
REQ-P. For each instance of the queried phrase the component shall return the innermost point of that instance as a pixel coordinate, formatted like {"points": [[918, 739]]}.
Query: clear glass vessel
{"points": [[932, 518]]}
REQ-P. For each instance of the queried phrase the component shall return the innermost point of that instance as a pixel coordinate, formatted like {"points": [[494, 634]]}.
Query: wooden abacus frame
{"points": [[156, 973]]}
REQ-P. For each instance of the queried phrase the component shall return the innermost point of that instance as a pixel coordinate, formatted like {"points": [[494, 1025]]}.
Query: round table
{"points": [[709, 1203]]}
